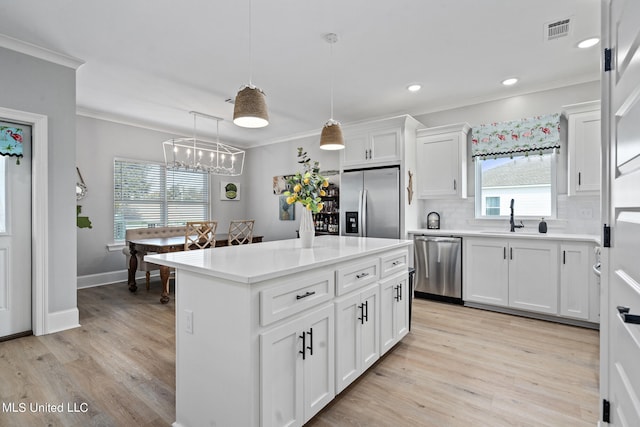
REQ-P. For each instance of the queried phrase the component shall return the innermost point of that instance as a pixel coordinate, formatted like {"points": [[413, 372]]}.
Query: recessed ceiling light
{"points": [[414, 87], [588, 42], [509, 82]]}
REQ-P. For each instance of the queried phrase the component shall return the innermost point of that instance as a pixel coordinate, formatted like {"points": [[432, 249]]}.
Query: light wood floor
{"points": [[458, 367]]}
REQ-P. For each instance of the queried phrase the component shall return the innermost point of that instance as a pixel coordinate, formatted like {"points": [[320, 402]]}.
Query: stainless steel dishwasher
{"points": [[438, 264]]}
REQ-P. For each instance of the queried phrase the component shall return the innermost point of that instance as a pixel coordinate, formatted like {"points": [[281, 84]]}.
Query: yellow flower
{"points": [[323, 193], [306, 180], [291, 200], [297, 188], [320, 206], [325, 184], [308, 207]]}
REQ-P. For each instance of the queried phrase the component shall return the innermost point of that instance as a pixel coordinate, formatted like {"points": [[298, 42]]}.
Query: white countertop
{"points": [[518, 234], [261, 261]]}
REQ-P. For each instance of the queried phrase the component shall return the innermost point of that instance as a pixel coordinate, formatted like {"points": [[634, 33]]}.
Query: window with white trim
{"points": [[146, 194]]}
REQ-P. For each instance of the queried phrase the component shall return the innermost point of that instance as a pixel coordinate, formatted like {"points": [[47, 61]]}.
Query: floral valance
{"points": [[538, 134], [11, 141]]}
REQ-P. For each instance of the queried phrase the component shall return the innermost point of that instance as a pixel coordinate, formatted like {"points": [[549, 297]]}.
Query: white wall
{"points": [[35, 86], [99, 142], [575, 214]]}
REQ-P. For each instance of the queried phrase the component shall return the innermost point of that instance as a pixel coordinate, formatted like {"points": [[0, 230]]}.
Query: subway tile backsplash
{"points": [[575, 215]]}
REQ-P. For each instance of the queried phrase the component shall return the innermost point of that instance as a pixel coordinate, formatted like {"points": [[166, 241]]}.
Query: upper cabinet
{"points": [[583, 137], [377, 143], [442, 161]]}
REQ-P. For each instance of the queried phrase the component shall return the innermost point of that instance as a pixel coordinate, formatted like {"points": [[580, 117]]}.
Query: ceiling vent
{"points": [[557, 29]]}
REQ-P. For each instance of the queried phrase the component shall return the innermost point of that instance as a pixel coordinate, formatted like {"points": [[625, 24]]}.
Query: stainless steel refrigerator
{"points": [[370, 203]]}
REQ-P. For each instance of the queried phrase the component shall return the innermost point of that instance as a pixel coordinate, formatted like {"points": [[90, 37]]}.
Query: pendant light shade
{"points": [[250, 108], [331, 136]]}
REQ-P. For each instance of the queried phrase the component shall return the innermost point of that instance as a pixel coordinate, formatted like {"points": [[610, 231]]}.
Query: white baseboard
{"points": [[62, 320], [92, 280]]}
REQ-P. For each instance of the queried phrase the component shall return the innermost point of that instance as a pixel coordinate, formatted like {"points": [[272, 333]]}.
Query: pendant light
{"points": [[250, 107], [331, 136]]}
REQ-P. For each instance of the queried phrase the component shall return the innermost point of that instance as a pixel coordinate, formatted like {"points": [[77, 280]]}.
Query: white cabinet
{"points": [[514, 273], [442, 162], [357, 334], [486, 271], [543, 276], [372, 147], [533, 276], [583, 138], [394, 310], [576, 280], [297, 368]]}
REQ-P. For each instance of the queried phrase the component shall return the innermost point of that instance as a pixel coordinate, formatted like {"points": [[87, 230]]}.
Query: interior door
{"points": [[621, 120], [15, 233]]}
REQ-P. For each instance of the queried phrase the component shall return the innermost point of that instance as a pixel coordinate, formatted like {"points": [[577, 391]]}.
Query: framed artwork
{"points": [[229, 190], [280, 184], [286, 212]]}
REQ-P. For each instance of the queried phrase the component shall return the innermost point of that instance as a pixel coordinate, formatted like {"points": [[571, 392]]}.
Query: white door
{"points": [[621, 120], [15, 233]]}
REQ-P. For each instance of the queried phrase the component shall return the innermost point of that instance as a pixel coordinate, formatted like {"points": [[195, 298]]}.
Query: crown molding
{"points": [[39, 52]]}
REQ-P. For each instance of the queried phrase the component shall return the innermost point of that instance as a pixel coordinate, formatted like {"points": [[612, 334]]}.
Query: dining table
{"points": [[163, 245]]}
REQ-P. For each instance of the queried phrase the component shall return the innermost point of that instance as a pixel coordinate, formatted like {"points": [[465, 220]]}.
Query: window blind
{"points": [[148, 195]]}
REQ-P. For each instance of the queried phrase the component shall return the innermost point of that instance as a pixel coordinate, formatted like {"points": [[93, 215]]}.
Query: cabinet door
{"points": [[318, 364], [385, 145], [387, 293], [486, 271], [401, 308], [356, 149], [370, 334], [394, 311], [533, 276], [293, 386], [437, 165], [575, 280], [281, 378], [348, 337], [584, 153]]}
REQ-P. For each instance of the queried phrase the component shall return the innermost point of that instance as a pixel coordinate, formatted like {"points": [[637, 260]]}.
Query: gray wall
{"points": [[36, 86], [99, 143], [279, 159]]}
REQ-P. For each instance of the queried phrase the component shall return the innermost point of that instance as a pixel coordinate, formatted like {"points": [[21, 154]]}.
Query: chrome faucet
{"points": [[512, 222]]}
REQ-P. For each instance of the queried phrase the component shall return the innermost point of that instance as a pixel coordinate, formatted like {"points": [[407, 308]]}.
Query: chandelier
{"points": [[192, 154]]}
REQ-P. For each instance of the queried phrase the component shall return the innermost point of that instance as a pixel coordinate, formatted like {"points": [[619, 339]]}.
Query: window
{"points": [[148, 195], [529, 180], [493, 206]]}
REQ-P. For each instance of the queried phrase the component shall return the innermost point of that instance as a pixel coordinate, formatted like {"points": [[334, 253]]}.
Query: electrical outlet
{"points": [[586, 213], [188, 326]]}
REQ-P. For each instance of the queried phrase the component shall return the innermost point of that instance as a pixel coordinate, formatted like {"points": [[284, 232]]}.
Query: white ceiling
{"points": [[152, 61]]}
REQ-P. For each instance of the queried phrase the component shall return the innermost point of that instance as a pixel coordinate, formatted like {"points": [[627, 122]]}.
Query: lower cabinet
{"points": [[576, 280], [533, 276], [297, 368], [357, 334], [550, 277], [394, 310]]}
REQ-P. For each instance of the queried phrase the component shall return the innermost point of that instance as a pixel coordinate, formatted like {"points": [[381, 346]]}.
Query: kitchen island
{"points": [[267, 334]]}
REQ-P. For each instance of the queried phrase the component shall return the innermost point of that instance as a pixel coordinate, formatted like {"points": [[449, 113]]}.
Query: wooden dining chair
{"points": [[200, 235], [240, 232]]}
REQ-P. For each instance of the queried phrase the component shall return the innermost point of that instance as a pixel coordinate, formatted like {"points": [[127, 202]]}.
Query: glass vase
{"points": [[307, 230]]}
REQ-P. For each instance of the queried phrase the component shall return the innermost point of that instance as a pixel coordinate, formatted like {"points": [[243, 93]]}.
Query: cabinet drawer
{"points": [[393, 263], [295, 296], [356, 275]]}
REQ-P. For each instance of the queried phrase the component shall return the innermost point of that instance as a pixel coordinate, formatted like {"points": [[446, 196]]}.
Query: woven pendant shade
{"points": [[250, 108], [331, 136]]}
